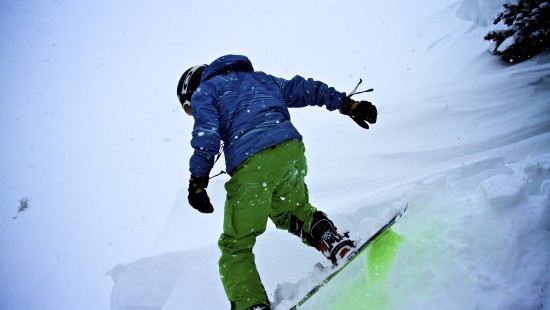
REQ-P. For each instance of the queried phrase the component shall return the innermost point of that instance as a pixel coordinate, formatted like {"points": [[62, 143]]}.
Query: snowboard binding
{"points": [[324, 236]]}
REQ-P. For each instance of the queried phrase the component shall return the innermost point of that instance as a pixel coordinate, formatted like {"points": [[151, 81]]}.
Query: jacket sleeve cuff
{"points": [[198, 182], [346, 106]]}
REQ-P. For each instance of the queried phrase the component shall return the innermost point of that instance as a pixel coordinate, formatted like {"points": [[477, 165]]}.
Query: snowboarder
{"points": [[264, 154]]}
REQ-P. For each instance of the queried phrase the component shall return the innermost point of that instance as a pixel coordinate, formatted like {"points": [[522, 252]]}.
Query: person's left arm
{"points": [[300, 92]]}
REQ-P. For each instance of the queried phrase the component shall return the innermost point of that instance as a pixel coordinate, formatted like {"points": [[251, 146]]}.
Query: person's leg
{"points": [[245, 218], [292, 211]]}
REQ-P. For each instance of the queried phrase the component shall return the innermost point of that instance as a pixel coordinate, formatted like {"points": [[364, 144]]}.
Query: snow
{"points": [[481, 12], [506, 44], [93, 136]]}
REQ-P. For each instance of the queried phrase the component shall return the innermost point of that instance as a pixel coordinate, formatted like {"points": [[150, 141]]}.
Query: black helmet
{"points": [[188, 83]]}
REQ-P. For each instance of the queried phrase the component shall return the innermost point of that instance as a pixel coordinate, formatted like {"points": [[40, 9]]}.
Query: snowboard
{"points": [[363, 245]]}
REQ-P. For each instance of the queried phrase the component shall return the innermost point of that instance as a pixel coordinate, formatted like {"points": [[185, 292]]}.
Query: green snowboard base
{"points": [[363, 286]]}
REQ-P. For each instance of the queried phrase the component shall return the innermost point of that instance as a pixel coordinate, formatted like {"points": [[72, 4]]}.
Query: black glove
{"points": [[362, 112], [198, 198]]}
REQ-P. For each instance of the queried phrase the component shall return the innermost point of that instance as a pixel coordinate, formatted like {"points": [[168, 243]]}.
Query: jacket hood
{"points": [[227, 63]]}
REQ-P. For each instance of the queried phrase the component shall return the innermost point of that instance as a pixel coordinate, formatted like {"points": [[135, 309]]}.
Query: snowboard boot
{"points": [[324, 237], [260, 307]]}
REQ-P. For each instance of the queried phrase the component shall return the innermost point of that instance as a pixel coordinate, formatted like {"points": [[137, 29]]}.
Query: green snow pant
{"points": [[269, 184]]}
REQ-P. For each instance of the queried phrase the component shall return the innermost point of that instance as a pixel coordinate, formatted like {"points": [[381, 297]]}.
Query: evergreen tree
{"points": [[23, 205], [523, 30]]}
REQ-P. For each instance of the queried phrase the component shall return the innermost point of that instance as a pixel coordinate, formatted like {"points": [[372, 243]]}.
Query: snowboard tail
{"points": [[357, 251]]}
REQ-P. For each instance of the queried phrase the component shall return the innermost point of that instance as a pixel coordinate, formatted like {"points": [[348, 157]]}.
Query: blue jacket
{"points": [[248, 111]]}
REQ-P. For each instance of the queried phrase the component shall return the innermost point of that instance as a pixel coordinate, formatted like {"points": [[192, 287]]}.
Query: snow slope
{"points": [[92, 133]]}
